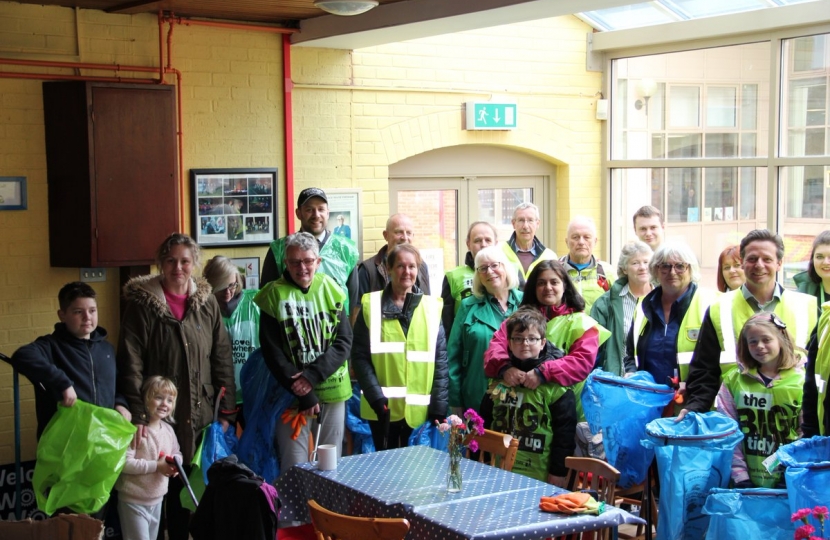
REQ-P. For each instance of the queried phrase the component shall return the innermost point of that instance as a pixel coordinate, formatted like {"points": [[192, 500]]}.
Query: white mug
{"points": [[327, 457]]}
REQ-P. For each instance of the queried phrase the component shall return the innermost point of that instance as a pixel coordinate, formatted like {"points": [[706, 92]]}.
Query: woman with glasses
{"points": [[551, 291], [400, 354], [171, 326], [666, 325], [615, 309], [239, 314], [495, 297]]}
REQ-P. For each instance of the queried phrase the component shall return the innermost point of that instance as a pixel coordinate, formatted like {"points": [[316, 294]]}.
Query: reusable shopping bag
{"points": [[215, 444], [620, 408], [693, 456], [79, 457], [265, 401], [427, 434], [748, 513], [808, 472]]}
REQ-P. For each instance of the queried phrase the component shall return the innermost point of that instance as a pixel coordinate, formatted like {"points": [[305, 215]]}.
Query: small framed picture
{"points": [[345, 218], [233, 207], [13, 193]]}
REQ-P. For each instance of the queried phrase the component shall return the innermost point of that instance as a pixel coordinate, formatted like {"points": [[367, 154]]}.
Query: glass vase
{"points": [[454, 470]]}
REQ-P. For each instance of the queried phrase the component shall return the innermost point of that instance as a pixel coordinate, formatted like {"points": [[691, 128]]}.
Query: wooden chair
{"points": [[634, 495], [596, 475], [500, 448], [330, 525]]}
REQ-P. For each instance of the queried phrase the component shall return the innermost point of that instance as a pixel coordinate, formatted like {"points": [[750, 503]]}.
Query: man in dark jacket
{"points": [[73, 362]]}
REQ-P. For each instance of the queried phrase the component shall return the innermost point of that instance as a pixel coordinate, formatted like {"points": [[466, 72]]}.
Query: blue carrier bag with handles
{"points": [[748, 513], [620, 408], [693, 456], [808, 472]]}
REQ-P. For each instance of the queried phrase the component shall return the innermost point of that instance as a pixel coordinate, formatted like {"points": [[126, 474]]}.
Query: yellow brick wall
{"points": [[406, 98], [232, 117], [355, 114]]}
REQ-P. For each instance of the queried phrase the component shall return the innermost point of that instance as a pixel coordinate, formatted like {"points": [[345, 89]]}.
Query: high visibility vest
{"points": [[822, 368], [546, 255], [768, 417], [310, 324], [731, 311], [243, 331], [460, 280], [588, 281], [689, 328], [404, 364], [339, 256]]}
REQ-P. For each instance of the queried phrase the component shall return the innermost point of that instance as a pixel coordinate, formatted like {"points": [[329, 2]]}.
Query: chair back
{"points": [[330, 525], [499, 447], [593, 474]]}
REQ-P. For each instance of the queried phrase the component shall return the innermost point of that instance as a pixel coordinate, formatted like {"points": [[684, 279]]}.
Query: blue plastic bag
{"points": [[265, 401], [362, 442], [427, 434], [620, 408], [693, 456], [808, 472], [748, 513]]}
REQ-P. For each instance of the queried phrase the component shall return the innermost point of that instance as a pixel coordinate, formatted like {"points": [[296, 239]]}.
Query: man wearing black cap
{"points": [[339, 254]]}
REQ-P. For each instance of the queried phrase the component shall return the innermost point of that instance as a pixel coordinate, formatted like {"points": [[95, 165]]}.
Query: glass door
{"points": [[442, 209]]}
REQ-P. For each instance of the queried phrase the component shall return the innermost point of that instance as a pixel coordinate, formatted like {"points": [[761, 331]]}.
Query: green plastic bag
{"points": [[79, 458]]}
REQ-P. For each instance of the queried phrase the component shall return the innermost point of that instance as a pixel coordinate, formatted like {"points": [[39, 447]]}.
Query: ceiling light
{"points": [[346, 7]]}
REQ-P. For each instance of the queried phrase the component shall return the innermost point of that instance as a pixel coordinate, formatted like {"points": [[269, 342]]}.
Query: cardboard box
{"points": [[61, 527]]}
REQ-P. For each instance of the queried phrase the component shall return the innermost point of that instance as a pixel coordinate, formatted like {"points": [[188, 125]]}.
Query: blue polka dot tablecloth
{"points": [[412, 483]]}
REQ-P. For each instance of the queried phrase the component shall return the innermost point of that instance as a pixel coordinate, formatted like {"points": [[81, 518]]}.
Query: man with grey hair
{"points": [[666, 326], [523, 249], [591, 277], [762, 253], [306, 338]]}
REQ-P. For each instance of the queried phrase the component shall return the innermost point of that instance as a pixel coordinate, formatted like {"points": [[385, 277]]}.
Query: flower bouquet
{"points": [[460, 432], [805, 532]]}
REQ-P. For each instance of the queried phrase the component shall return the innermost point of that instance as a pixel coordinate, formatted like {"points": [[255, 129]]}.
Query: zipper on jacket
{"points": [[92, 368]]}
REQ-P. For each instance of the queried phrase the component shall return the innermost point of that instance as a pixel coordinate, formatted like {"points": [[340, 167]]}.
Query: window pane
{"points": [[806, 96], [496, 206], [721, 106], [434, 218], [721, 194], [748, 200], [684, 106], [749, 106], [721, 145], [685, 146], [748, 145], [806, 193]]}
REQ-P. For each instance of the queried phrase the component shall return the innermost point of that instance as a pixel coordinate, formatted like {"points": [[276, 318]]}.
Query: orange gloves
{"points": [[570, 503], [297, 421]]}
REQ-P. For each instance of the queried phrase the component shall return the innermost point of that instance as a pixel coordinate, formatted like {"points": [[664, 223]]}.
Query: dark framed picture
{"points": [[13, 193], [233, 207]]}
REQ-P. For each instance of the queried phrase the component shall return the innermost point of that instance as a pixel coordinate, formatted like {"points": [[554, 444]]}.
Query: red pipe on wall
{"points": [[234, 26], [56, 77], [76, 65], [288, 86]]}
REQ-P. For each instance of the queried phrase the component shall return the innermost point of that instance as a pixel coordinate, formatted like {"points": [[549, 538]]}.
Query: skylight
{"points": [[666, 11]]}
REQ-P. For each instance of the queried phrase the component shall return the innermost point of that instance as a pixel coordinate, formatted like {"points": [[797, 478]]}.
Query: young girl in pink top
{"points": [[143, 482]]}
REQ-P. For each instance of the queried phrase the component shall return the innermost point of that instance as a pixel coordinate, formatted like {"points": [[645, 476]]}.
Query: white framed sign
{"points": [[345, 217]]}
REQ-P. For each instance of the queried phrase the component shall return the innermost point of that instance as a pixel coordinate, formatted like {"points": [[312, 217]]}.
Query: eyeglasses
{"points": [[773, 318], [296, 263], [525, 221], [678, 267], [492, 267], [529, 340], [232, 286]]}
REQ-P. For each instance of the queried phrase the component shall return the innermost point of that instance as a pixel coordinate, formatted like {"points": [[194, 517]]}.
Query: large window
{"points": [[709, 111]]}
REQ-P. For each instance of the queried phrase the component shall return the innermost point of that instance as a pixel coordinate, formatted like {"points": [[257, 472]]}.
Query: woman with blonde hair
{"points": [[495, 297]]}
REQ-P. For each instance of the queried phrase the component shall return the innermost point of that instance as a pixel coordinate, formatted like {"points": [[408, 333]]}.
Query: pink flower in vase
{"points": [[804, 532]]}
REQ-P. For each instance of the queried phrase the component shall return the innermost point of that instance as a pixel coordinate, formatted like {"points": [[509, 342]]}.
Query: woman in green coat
{"points": [[495, 297], [615, 309]]}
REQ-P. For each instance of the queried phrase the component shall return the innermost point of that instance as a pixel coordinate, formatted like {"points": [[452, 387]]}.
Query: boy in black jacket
{"points": [[73, 362]]}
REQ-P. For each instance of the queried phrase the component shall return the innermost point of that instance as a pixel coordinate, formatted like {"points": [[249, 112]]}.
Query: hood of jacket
{"points": [[147, 290]]}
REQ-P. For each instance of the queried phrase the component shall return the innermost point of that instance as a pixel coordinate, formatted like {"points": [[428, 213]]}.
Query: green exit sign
{"points": [[490, 115]]}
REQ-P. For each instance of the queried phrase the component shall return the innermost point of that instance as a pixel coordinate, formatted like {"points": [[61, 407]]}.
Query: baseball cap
{"points": [[308, 193]]}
